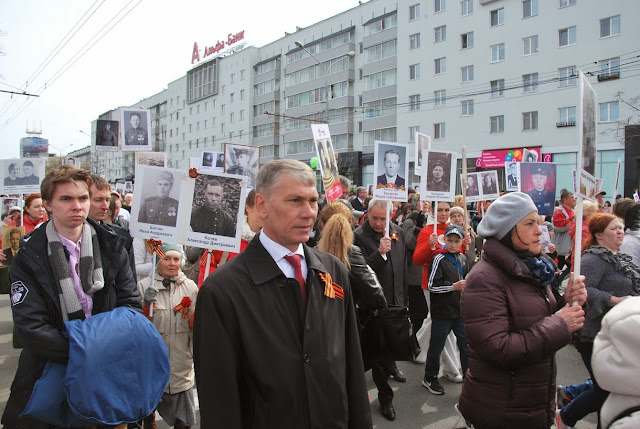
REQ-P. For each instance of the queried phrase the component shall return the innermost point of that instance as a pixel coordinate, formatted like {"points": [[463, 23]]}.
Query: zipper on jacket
{"points": [[512, 384]]}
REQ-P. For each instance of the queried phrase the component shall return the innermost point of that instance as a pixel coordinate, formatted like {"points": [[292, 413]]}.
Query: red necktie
{"points": [[294, 261]]}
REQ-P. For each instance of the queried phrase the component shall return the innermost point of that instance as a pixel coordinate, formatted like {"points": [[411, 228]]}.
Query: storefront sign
{"points": [[497, 158], [218, 47]]}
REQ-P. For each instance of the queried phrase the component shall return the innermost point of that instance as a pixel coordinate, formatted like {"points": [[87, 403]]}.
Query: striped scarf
{"points": [[91, 275]]}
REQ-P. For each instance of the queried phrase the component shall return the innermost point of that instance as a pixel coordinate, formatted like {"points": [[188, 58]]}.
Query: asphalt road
{"points": [[416, 408]]}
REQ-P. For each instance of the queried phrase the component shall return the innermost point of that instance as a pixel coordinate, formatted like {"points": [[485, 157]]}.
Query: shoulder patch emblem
{"points": [[18, 293]]}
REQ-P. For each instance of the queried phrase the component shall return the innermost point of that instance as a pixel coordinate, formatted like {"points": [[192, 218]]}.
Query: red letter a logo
{"points": [[195, 56]]}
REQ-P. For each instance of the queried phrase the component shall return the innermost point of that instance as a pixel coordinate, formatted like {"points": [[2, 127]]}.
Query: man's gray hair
{"points": [[376, 202], [360, 189], [344, 181], [270, 172]]}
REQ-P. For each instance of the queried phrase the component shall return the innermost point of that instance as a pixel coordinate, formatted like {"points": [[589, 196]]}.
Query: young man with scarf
{"points": [[69, 268]]}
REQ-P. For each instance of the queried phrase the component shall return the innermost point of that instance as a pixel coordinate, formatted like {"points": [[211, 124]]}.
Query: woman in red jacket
{"points": [[34, 213], [513, 323]]}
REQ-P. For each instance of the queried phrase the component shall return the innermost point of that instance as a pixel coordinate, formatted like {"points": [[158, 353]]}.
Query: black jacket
{"points": [[261, 361], [38, 317], [366, 288], [445, 301], [368, 240]]}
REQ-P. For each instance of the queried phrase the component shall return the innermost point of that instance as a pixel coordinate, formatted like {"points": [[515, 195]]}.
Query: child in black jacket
{"points": [[446, 283]]}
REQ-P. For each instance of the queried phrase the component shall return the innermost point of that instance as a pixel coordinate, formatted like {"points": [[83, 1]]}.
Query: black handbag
{"points": [[387, 334]]}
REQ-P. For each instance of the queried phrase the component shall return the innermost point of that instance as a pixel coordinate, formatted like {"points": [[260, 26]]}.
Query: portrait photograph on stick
{"points": [[216, 211], [391, 167], [538, 180], [212, 161], [242, 160], [326, 161], [11, 236], [489, 185], [107, 135], [438, 179], [423, 144], [512, 175], [158, 190], [472, 190], [136, 124], [22, 176]]}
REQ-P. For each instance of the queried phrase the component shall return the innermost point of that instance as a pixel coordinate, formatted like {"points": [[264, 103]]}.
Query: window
{"points": [[440, 6], [567, 115], [497, 53], [380, 79], [222, 129], [497, 124], [609, 68], [222, 109], [383, 134], [414, 102], [242, 114], [205, 124], [232, 96], [380, 51], [414, 12], [233, 76], [497, 88], [439, 130], [529, 8], [412, 132], [206, 106], [567, 36], [466, 107], [440, 97], [467, 7], [376, 108], [440, 33], [610, 26], [376, 27], [232, 117], [466, 40], [414, 41], [440, 65], [529, 121], [497, 17], [202, 81], [568, 76], [467, 73], [565, 3], [242, 94], [609, 111], [414, 71], [530, 82], [530, 45]]}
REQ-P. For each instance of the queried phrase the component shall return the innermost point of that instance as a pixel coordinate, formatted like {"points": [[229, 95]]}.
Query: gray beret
{"points": [[504, 213]]}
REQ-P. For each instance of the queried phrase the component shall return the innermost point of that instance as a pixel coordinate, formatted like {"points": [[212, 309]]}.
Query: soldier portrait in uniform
{"points": [[489, 185], [213, 198], [472, 185], [511, 170], [391, 169], [136, 124], [242, 160], [438, 173], [207, 159], [540, 185], [160, 209], [107, 135], [29, 178]]}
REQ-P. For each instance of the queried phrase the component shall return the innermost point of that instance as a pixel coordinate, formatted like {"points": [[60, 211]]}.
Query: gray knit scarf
{"points": [[91, 274]]}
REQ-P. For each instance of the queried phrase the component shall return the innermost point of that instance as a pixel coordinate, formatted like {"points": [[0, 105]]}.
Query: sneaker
{"points": [[559, 423], [433, 385], [453, 377], [562, 398], [467, 423]]}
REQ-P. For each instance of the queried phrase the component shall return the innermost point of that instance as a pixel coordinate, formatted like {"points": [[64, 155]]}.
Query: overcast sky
{"points": [[147, 49]]}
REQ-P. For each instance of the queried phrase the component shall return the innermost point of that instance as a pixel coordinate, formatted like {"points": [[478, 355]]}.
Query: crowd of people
{"points": [[269, 336]]}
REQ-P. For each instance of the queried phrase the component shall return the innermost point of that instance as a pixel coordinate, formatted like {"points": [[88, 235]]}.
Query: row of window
{"points": [[340, 89], [466, 8], [316, 48], [566, 117], [317, 70]]}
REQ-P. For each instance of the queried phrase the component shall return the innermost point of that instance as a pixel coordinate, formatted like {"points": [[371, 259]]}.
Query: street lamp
{"points": [[60, 150], [350, 54]]}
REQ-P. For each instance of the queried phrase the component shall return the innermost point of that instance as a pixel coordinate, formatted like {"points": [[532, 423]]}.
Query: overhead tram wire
{"points": [[72, 61], [56, 51]]}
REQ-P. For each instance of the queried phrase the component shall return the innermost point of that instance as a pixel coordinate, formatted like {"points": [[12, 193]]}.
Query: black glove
{"points": [[420, 220]]}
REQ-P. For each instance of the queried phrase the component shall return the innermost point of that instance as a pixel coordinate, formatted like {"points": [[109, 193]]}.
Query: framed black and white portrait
{"points": [[136, 124], [107, 135]]}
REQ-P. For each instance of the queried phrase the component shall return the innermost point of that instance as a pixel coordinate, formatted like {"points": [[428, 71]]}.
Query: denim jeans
{"points": [[588, 401], [576, 389], [440, 328]]}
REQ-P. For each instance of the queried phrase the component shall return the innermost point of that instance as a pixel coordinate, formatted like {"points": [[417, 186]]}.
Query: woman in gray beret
{"points": [[513, 322]]}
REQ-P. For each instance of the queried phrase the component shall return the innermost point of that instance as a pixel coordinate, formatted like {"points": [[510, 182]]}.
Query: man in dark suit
{"points": [[275, 335], [357, 202], [390, 177], [386, 255]]}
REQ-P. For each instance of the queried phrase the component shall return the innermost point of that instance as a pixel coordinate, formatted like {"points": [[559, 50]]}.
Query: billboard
{"points": [[34, 147]]}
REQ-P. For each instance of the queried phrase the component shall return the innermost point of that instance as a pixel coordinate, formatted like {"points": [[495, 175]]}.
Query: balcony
{"points": [[608, 76], [566, 124]]}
